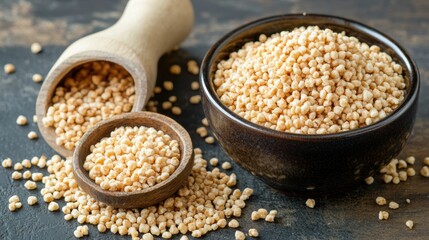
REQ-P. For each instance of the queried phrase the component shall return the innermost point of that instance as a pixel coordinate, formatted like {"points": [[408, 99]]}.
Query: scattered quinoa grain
{"points": [[202, 131], [31, 200], [6, 163], [205, 122], [30, 185], [21, 120], [408, 200], [26, 175], [16, 175], [195, 99], [175, 69], [209, 140], [9, 68], [147, 236], [409, 224], [192, 67], [214, 162], [34, 118], [32, 135], [233, 223], [26, 163], [36, 48], [426, 161], [411, 160], [253, 232], [411, 172], [369, 180], [226, 165], [168, 85], [387, 178], [17, 166], [176, 110], [239, 235], [425, 171], [381, 201], [195, 85], [383, 215], [402, 164], [157, 90], [184, 237], [14, 199], [271, 216], [172, 99], [310, 203], [166, 105], [37, 177], [53, 206], [37, 78], [393, 205]]}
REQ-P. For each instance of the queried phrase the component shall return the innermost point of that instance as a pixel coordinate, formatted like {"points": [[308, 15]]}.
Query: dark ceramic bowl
{"points": [[298, 162]]}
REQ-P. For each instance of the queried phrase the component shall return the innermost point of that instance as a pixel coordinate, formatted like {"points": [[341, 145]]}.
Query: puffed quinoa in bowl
{"points": [[133, 160], [324, 101]]}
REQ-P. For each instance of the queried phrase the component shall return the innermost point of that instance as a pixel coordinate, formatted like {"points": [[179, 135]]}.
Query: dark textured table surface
{"points": [[351, 215]]}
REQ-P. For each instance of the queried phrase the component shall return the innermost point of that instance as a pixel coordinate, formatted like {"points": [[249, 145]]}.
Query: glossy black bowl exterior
{"points": [[297, 162]]}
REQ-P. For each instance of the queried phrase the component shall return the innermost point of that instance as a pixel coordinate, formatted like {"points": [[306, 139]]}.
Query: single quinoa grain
{"points": [[381, 201], [6, 163], [369, 180], [209, 140], [253, 233], [53, 206], [425, 171], [9, 68], [168, 85], [16, 175], [411, 160], [193, 67], [393, 205], [272, 215], [214, 162], [21, 120], [176, 110], [383, 215], [31, 200], [310, 203], [233, 223], [195, 85], [114, 166], [30, 185], [37, 78], [195, 99], [426, 161], [175, 69], [239, 235], [226, 165], [36, 48], [32, 135], [409, 224], [310, 81], [89, 94], [202, 131], [205, 122]]}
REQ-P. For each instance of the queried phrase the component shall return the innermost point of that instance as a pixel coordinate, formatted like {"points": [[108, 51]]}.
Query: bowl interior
{"points": [[234, 40]]}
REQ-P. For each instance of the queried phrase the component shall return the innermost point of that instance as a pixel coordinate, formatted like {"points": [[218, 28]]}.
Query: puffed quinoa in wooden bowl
{"points": [[133, 160], [309, 102]]}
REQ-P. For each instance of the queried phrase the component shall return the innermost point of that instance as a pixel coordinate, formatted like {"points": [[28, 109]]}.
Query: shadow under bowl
{"points": [[299, 162]]}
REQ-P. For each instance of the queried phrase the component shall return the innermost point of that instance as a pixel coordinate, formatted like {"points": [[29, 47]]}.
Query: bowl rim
{"points": [[208, 91]]}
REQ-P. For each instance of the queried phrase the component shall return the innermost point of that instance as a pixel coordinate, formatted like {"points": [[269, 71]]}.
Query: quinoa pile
{"points": [[310, 81]]}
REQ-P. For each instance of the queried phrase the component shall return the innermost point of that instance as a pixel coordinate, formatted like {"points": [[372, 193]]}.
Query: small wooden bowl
{"points": [[146, 197]]}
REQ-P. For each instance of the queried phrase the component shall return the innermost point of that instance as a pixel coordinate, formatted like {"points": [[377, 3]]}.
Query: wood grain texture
{"points": [[135, 46], [349, 215], [146, 197]]}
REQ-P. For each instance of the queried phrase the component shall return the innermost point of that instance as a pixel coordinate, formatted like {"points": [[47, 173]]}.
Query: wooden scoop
{"points": [[146, 30], [148, 196]]}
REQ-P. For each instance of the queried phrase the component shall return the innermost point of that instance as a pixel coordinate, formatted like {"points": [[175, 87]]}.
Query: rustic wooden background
{"points": [[350, 215]]}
